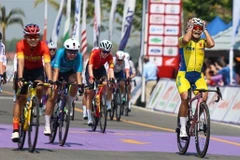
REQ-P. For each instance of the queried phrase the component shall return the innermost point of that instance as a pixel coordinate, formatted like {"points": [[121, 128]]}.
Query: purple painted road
{"points": [[124, 140]]}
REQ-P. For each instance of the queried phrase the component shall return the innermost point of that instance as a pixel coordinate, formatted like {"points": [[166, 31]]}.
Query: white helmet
{"points": [[127, 56], [71, 44], [120, 55], [105, 45], [52, 45]]}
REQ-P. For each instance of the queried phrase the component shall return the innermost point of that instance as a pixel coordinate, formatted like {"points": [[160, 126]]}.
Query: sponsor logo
{"points": [[156, 19], [172, 9], [155, 50], [165, 1], [172, 19], [171, 30], [154, 29], [157, 8], [171, 41], [170, 51], [156, 40]]}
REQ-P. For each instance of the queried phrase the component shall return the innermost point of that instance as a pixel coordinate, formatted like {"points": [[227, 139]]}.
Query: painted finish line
{"points": [[122, 140]]}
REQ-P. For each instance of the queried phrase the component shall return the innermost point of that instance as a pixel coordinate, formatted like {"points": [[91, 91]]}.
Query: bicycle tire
{"points": [[103, 113], [94, 118], [182, 144], [34, 114], [111, 113], [118, 104], [73, 111], [21, 131], [54, 124], [205, 128], [64, 117]]}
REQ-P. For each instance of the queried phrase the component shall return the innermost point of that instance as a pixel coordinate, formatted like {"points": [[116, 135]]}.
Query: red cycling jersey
{"points": [[33, 58], [96, 60]]}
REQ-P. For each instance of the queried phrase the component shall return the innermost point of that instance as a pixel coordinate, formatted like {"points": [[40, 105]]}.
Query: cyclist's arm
{"points": [[56, 65], [47, 62], [79, 68], [111, 67], [2, 53], [90, 64], [186, 38], [127, 68], [79, 77], [1, 67], [209, 41]]}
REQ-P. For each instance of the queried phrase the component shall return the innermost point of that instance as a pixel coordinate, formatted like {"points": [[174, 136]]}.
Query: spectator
{"points": [[150, 71]]}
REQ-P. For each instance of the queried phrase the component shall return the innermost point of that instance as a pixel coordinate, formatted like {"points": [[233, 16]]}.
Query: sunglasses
{"points": [[106, 52], [197, 27], [52, 50], [72, 52], [120, 60], [34, 36]]}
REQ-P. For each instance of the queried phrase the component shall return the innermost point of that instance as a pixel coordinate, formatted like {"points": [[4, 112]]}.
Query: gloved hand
{"points": [[80, 89]]}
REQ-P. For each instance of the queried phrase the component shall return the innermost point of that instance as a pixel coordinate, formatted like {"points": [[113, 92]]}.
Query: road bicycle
{"points": [[116, 104], [29, 119], [125, 99], [198, 123], [99, 109], [60, 118]]}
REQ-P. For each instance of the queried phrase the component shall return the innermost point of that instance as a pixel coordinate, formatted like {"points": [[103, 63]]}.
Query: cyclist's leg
{"points": [[72, 78], [14, 86], [129, 96], [183, 85], [201, 84], [85, 115], [17, 109]]}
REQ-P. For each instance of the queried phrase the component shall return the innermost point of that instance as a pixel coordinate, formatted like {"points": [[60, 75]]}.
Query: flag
{"points": [[111, 19], [45, 21], [57, 23], [235, 28], [66, 30], [96, 23], [128, 13], [76, 28], [84, 32]]}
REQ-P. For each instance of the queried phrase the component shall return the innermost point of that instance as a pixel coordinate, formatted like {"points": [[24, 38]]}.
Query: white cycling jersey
{"points": [[2, 53], [120, 67]]}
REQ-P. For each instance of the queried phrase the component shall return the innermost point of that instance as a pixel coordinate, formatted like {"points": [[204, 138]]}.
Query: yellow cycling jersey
{"points": [[192, 55]]}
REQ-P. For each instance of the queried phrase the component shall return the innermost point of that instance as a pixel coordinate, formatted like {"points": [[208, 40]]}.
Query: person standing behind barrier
{"points": [[190, 72], [150, 71]]}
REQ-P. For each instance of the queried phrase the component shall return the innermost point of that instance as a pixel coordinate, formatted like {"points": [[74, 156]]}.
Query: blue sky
{"points": [[36, 15]]}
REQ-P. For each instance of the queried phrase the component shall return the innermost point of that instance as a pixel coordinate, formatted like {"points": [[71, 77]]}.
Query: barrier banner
{"points": [[167, 94], [156, 94]]}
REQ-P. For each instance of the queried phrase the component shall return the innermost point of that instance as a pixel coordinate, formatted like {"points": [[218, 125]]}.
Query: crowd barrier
{"points": [[165, 98]]}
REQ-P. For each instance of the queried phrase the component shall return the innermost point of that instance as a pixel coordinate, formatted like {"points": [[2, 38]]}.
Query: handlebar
{"points": [[216, 91]]}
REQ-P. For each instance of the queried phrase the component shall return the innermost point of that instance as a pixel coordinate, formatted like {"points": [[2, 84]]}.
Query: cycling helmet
{"points": [[52, 45], [127, 56], [197, 21], [105, 45], [71, 44], [120, 55], [31, 29]]}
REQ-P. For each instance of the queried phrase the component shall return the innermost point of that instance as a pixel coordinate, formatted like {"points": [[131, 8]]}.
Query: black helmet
{"points": [[0, 36]]}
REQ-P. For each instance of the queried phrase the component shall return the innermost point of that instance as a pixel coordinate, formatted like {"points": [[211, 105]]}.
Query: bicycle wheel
{"points": [[118, 104], [182, 144], [202, 130], [54, 124], [111, 113], [73, 111], [64, 122], [95, 119], [21, 131], [34, 125], [103, 113]]}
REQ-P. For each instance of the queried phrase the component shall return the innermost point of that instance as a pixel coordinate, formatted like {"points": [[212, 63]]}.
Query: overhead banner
{"points": [[164, 29]]}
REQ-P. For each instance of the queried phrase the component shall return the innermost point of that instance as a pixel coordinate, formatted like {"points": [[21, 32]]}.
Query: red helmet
{"points": [[31, 29]]}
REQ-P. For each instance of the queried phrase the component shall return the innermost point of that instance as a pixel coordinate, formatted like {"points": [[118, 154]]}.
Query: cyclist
{"points": [[192, 58], [121, 70], [95, 70], [30, 51], [2, 62], [67, 65], [133, 74]]}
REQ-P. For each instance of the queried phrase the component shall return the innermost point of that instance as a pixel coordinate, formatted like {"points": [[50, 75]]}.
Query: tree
{"points": [[14, 17]]}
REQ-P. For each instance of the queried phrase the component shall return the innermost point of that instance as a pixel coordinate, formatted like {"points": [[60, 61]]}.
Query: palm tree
{"points": [[14, 17]]}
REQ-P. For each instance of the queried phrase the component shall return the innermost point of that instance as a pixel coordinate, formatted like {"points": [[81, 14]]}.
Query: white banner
{"points": [[111, 18], [97, 22], [76, 28], [57, 23]]}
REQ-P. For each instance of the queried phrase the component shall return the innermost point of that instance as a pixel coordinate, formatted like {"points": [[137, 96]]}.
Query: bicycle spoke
{"points": [[202, 130]]}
